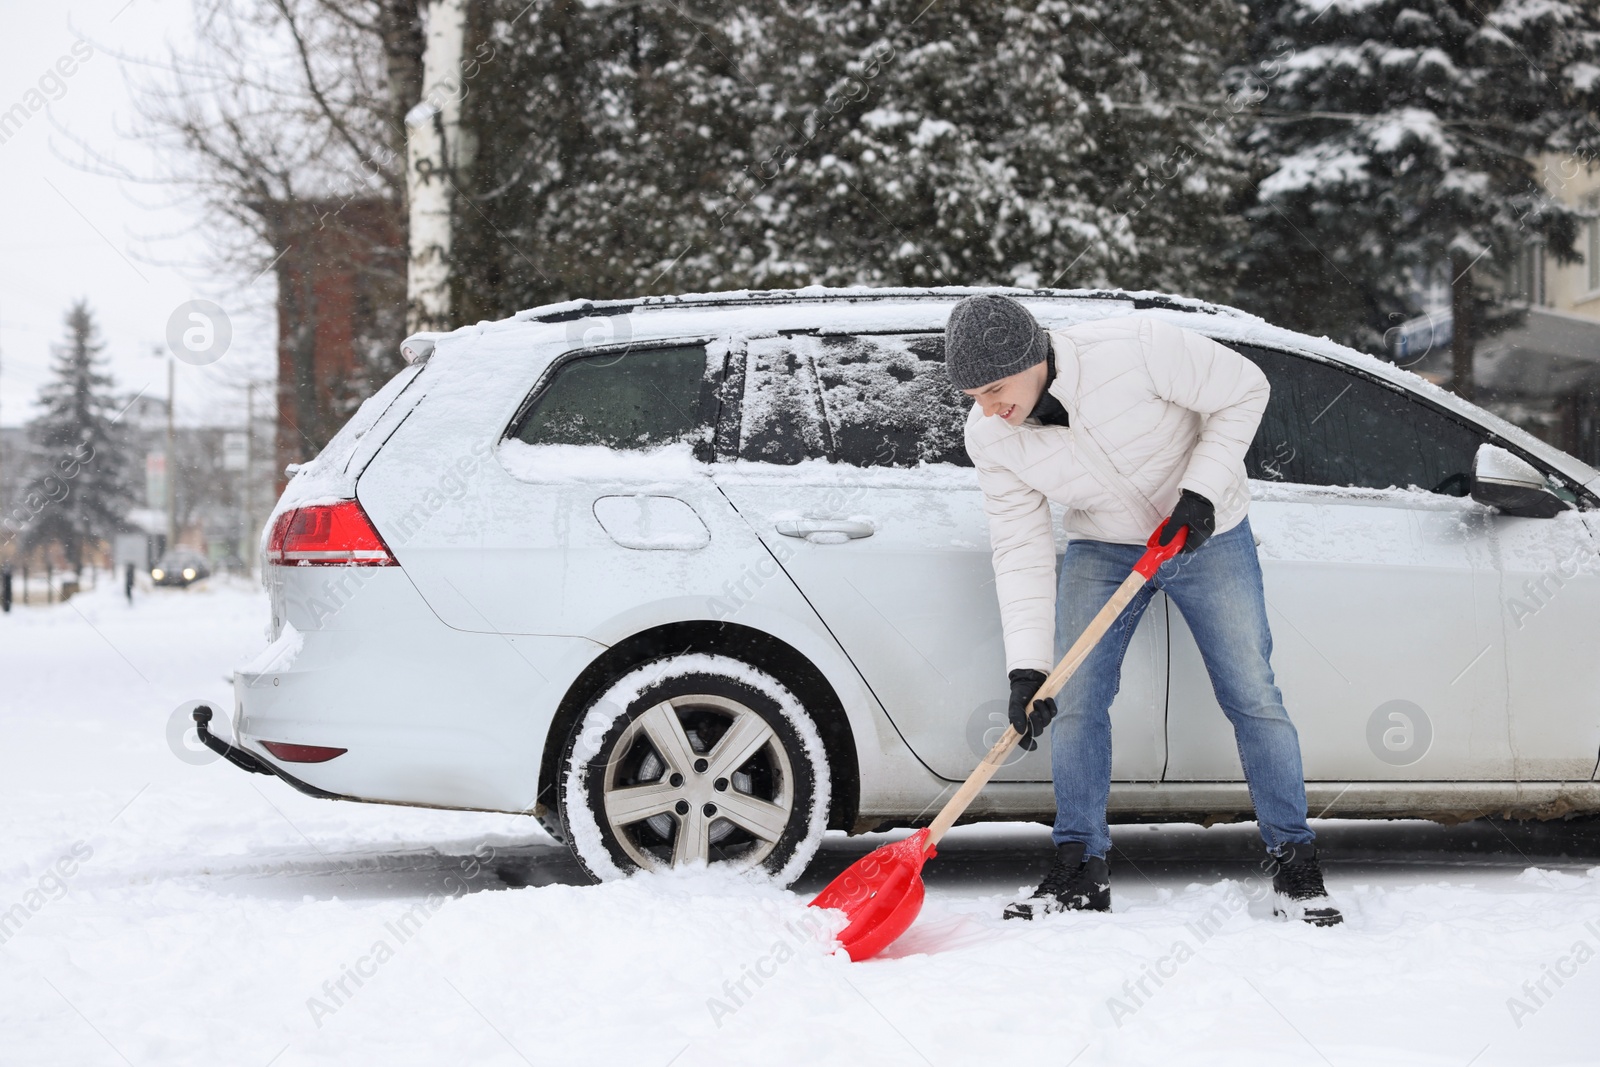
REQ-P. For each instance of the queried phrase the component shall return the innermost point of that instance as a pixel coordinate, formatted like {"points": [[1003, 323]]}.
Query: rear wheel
{"points": [[695, 760]]}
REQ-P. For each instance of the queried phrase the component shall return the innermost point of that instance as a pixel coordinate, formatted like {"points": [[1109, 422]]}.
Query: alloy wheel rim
{"points": [[700, 778]]}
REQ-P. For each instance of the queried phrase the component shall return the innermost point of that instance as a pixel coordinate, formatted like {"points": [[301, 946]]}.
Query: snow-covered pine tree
{"points": [[82, 493], [628, 147], [607, 132], [1395, 135], [1068, 142]]}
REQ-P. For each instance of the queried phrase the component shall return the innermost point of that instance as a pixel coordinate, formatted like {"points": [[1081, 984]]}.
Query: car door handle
{"points": [[824, 531]]}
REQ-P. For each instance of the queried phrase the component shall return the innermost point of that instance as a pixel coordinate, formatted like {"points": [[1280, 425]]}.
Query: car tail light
{"points": [[302, 753], [327, 535]]}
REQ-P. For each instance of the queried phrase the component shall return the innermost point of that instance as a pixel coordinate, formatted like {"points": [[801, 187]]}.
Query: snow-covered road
{"points": [[158, 912]]}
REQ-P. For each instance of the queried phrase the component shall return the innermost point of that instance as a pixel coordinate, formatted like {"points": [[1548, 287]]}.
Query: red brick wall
{"points": [[341, 287]]}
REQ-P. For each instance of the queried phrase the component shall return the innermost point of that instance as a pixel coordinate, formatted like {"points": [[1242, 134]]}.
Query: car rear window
{"points": [[337, 453]]}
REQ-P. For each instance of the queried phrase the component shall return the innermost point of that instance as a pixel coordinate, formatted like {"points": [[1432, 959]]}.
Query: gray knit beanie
{"points": [[988, 338]]}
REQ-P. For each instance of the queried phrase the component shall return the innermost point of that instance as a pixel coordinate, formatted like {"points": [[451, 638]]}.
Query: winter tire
{"points": [[695, 760]]}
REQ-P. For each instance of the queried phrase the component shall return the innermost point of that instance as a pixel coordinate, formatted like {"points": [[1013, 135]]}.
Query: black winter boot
{"points": [[1297, 880], [1073, 884]]}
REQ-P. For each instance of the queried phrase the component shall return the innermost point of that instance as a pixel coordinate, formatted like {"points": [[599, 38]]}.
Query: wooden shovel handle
{"points": [[1155, 555]]}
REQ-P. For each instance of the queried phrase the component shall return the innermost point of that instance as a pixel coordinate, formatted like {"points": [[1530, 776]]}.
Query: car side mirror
{"points": [[1512, 485]]}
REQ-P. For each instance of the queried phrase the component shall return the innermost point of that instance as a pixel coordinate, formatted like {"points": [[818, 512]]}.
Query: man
{"points": [[1125, 421]]}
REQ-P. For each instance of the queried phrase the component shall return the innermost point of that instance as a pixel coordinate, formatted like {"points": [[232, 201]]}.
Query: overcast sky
{"points": [[136, 252]]}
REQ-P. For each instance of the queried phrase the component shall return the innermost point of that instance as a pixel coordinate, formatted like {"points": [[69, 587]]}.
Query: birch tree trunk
{"points": [[434, 164]]}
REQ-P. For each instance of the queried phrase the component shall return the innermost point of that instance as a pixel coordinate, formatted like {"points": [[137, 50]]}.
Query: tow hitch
{"points": [[237, 756], [249, 761]]}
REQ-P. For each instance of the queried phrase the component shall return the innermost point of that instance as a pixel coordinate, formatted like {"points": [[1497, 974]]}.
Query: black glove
{"points": [[1024, 683], [1195, 512]]}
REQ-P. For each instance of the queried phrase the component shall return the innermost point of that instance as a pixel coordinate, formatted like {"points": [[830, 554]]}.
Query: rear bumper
{"points": [[249, 761], [427, 715]]}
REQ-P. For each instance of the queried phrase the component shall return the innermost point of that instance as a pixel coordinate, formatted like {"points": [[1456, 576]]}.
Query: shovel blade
{"points": [[880, 893]]}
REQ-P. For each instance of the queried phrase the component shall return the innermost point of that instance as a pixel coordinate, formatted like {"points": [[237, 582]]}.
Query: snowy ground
{"points": [[157, 912]]}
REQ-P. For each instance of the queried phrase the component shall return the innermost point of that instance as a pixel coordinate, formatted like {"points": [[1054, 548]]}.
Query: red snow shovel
{"points": [[881, 893]]}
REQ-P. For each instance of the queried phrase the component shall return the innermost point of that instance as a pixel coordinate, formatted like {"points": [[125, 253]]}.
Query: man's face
{"points": [[1012, 398]]}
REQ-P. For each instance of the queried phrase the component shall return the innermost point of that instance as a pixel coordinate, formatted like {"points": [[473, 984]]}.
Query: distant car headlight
{"points": [[158, 574], [188, 574]]}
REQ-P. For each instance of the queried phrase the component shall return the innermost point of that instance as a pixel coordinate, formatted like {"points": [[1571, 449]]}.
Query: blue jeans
{"points": [[1218, 589]]}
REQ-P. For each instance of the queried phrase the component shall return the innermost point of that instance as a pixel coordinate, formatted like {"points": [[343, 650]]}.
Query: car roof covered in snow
{"points": [[586, 323]]}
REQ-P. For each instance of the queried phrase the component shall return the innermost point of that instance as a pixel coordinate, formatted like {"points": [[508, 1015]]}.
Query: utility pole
{"points": [[249, 546], [171, 461], [249, 474]]}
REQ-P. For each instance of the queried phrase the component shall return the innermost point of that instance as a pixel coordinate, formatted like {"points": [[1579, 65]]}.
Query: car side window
{"points": [[1328, 426], [867, 400], [781, 420], [636, 399], [888, 401]]}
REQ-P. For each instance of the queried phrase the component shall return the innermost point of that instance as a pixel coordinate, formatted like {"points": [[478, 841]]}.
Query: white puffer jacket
{"points": [[1153, 409]]}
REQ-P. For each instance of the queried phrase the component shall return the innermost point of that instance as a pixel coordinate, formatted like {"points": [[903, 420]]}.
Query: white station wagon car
{"points": [[695, 579]]}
